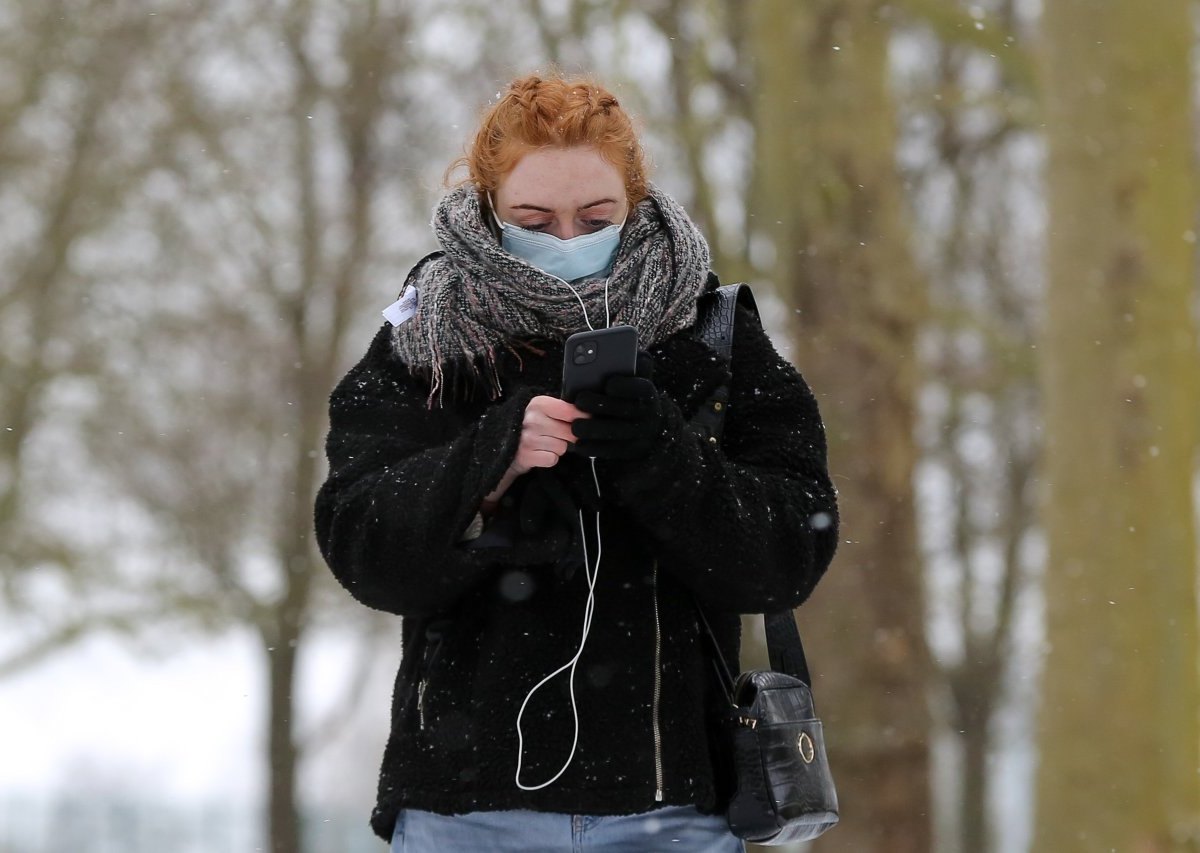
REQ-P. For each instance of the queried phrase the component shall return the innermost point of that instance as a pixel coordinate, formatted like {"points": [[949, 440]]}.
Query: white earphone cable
{"points": [[589, 609], [583, 307], [592, 572], [607, 319]]}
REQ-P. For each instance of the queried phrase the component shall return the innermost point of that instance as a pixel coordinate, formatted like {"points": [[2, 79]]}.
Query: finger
{"points": [[538, 458], [536, 424], [553, 444], [541, 456], [553, 407]]}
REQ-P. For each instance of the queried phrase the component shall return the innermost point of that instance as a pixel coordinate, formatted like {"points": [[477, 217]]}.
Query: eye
{"points": [[597, 224], [535, 226]]}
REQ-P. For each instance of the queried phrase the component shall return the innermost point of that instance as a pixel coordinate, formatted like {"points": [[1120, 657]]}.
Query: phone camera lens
{"points": [[584, 352]]}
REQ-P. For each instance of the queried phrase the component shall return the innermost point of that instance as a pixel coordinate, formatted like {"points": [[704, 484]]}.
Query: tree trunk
{"points": [[974, 685], [283, 820], [1118, 731], [828, 197], [973, 803]]}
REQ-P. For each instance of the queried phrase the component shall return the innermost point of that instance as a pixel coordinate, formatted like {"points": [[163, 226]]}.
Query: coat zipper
{"points": [[658, 763], [434, 635]]}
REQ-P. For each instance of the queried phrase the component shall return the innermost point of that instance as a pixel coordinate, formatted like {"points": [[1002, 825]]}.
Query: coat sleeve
{"points": [[405, 481], [751, 524]]}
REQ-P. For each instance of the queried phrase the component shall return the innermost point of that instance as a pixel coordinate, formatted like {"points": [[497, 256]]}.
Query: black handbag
{"points": [[772, 743], [767, 736]]}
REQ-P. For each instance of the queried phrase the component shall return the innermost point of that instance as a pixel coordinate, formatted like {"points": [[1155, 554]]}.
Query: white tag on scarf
{"points": [[403, 308]]}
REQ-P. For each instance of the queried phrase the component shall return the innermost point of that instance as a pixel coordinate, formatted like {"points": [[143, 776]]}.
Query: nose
{"points": [[565, 230]]}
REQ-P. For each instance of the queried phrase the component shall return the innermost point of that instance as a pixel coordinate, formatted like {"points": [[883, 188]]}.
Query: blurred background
{"points": [[972, 225]]}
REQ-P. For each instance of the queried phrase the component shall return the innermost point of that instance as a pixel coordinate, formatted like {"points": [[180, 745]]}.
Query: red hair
{"points": [[554, 112]]}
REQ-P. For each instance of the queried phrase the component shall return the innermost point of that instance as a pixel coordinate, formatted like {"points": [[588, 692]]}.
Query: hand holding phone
{"points": [[545, 436], [545, 433], [626, 416]]}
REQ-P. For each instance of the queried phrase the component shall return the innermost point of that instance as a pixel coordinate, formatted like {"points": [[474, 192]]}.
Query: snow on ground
{"points": [[98, 717]]}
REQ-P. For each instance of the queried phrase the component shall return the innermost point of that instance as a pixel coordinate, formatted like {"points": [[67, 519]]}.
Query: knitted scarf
{"points": [[477, 300]]}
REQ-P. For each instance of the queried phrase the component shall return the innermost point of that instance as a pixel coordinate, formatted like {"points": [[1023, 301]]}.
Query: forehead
{"points": [[561, 178]]}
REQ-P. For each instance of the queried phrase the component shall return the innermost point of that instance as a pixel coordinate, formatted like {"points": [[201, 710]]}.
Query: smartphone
{"points": [[591, 357]]}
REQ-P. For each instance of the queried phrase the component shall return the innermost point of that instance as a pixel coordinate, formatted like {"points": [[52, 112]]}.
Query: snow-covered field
{"points": [[103, 749]]}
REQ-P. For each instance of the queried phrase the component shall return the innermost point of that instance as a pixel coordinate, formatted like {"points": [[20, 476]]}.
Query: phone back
{"points": [[591, 357]]}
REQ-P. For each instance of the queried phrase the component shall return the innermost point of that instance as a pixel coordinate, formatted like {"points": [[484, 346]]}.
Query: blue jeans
{"points": [[673, 828]]}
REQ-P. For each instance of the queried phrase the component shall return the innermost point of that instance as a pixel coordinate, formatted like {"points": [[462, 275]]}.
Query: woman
{"points": [[546, 556]]}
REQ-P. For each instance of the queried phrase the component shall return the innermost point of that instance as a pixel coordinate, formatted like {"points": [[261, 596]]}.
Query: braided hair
{"points": [[539, 112]]}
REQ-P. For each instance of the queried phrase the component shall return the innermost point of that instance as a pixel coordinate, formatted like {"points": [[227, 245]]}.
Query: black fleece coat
{"points": [[747, 526]]}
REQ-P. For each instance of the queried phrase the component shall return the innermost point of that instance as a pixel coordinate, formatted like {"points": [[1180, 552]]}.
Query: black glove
{"points": [[626, 419]]}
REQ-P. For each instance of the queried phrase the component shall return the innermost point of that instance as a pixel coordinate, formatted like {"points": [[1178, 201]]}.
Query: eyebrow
{"points": [[548, 210]]}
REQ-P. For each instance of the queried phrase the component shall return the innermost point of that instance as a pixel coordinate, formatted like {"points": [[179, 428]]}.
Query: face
{"points": [[562, 191]]}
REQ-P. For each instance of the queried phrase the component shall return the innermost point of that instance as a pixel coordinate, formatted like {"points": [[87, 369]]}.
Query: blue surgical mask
{"points": [[585, 256]]}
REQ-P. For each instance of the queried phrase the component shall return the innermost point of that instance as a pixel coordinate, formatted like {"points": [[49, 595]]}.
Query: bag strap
{"points": [[784, 648], [716, 320], [715, 328], [718, 309]]}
